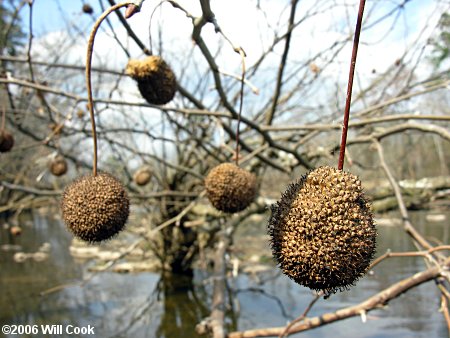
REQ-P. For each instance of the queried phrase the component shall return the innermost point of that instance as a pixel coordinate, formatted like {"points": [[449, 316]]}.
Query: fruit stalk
{"points": [[350, 85], [90, 50], [241, 103]]}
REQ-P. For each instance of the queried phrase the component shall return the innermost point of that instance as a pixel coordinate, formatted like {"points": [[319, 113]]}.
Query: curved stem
{"points": [[350, 84], [90, 50]]}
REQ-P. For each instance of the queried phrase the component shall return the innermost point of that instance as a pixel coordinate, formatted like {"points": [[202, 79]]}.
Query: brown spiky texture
{"points": [[6, 141], [58, 166], [142, 176], [95, 208], [322, 230], [156, 80], [230, 188]]}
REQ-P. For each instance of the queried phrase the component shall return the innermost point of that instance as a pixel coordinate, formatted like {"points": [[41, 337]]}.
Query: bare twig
{"points": [[18, 59], [418, 238], [425, 253], [404, 97], [128, 28], [28, 202], [82, 283], [287, 330], [291, 25], [29, 190], [176, 219], [376, 301], [360, 123], [253, 88]]}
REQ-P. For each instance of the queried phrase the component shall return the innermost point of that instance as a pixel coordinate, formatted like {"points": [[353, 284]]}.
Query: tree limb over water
{"points": [[377, 301]]}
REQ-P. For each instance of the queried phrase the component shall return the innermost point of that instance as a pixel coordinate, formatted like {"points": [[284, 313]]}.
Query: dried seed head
{"points": [[230, 188], [80, 113], [95, 208], [58, 166], [156, 80], [142, 176], [87, 9], [322, 230], [6, 141]]}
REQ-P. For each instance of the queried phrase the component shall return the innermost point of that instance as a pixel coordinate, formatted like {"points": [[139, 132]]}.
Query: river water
{"points": [[146, 305]]}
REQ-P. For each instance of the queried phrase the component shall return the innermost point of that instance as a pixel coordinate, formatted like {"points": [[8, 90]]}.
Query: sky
{"points": [[247, 27], [62, 23], [384, 39]]}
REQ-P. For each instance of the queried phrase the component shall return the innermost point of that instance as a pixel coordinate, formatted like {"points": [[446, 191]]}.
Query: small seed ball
{"points": [[142, 176], [230, 188], [58, 166], [95, 208], [87, 9], [80, 113], [6, 141], [156, 80], [15, 230], [322, 230]]}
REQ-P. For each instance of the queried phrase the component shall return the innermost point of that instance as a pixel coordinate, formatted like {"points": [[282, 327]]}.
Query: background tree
{"points": [[12, 35], [442, 41], [293, 100]]}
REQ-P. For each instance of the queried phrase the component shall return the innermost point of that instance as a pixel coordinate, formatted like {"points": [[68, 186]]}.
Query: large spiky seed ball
{"points": [[95, 208], [58, 166], [322, 230], [230, 188], [156, 80], [142, 176], [6, 141]]}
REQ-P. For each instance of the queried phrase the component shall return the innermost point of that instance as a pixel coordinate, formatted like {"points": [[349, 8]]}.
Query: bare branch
{"points": [[376, 301]]}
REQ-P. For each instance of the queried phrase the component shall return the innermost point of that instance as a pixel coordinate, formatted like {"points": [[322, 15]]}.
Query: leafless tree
{"points": [[293, 97]]}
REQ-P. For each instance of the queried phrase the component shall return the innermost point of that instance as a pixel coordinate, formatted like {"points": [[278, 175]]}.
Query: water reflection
{"points": [[183, 308], [149, 305]]}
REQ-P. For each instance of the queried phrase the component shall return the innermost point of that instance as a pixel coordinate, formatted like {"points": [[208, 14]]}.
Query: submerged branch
{"points": [[214, 324]]}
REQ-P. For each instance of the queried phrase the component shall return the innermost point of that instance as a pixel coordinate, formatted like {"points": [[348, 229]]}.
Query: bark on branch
{"points": [[214, 324], [376, 301]]}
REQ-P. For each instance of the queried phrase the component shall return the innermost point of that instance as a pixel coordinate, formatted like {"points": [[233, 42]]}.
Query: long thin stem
{"points": [[30, 40], [241, 103], [350, 84], [90, 50]]}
